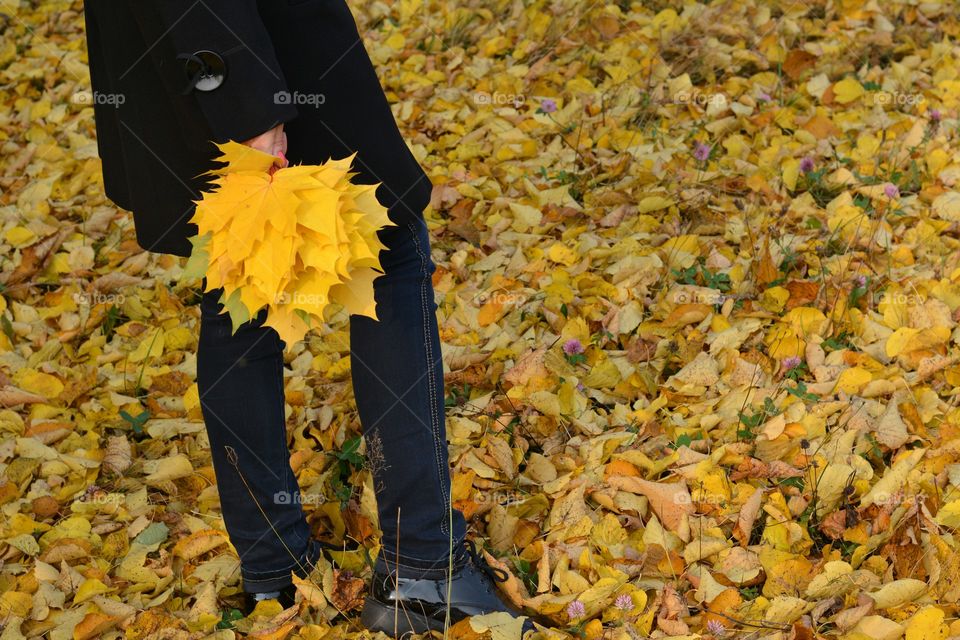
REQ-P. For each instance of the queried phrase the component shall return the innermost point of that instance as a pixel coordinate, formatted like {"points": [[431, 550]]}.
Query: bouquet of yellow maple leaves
{"points": [[294, 240]]}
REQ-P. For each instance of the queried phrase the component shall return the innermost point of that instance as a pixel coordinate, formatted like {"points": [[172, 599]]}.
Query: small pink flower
{"points": [[623, 602], [860, 281], [891, 191], [791, 362], [701, 151], [765, 97], [576, 609], [572, 346], [935, 115], [715, 627], [806, 165], [547, 105]]}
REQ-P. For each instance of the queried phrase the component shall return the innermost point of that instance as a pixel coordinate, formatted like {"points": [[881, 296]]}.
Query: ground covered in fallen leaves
{"points": [[699, 288]]}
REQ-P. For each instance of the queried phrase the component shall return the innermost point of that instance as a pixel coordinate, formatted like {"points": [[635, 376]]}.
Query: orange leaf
{"points": [[765, 271]]}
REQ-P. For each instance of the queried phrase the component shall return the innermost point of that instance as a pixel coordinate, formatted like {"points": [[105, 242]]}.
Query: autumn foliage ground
{"points": [[698, 288]]}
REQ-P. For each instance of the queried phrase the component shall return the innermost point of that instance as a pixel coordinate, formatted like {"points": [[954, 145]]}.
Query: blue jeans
{"points": [[397, 376]]}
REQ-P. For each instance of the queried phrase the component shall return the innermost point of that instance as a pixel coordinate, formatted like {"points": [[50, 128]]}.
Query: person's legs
{"points": [[397, 373], [240, 382], [398, 384]]}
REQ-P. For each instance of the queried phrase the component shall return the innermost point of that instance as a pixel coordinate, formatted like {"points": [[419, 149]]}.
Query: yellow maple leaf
{"points": [[292, 242]]}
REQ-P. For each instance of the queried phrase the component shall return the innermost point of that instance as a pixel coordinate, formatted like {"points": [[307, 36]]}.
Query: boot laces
{"points": [[480, 561]]}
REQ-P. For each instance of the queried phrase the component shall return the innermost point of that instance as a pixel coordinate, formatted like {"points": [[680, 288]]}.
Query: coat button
{"points": [[205, 69]]}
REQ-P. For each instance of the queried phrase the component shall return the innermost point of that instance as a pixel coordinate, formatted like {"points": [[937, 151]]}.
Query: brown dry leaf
{"points": [[798, 61], [33, 258], [11, 396], [672, 610], [347, 590], [671, 501], [118, 455], [747, 516], [764, 270], [93, 625]]}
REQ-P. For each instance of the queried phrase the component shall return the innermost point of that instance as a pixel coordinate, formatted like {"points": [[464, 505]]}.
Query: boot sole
{"points": [[396, 622]]}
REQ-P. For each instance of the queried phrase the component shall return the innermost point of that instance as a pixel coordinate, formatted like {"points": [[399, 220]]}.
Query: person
{"points": [[292, 78]]}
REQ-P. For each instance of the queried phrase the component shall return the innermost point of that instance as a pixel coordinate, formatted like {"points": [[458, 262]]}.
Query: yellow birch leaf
{"points": [[169, 468], [20, 236], [949, 514], [893, 479], [89, 588], [947, 206], [37, 382], [790, 170], [774, 299], [848, 90], [927, 624], [561, 253], [15, 603], [893, 594], [198, 543], [500, 624], [898, 340], [852, 380], [875, 628], [653, 203], [151, 346]]}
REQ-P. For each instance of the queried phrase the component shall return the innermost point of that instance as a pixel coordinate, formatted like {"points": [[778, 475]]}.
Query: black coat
{"points": [[171, 76]]}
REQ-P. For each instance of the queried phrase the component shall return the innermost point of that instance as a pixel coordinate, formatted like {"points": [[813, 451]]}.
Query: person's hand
{"points": [[273, 142]]}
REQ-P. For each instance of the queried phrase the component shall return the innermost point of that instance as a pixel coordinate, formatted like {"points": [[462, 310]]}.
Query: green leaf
{"points": [[155, 533], [199, 260], [235, 307]]}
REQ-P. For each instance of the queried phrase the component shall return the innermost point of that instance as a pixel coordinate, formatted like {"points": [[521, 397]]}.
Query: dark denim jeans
{"points": [[398, 384]]}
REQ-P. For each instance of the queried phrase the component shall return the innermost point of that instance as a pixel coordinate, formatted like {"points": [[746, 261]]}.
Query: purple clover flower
{"points": [[576, 609], [935, 115], [792, 361], [701, 152], [807, 165], [623, 602], [715, 627], [548, 105], [891, 191], [572, 347]]}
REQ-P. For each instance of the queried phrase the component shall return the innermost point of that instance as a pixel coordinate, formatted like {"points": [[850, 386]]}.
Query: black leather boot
{"points": [[404, 606], [285, 597]]}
